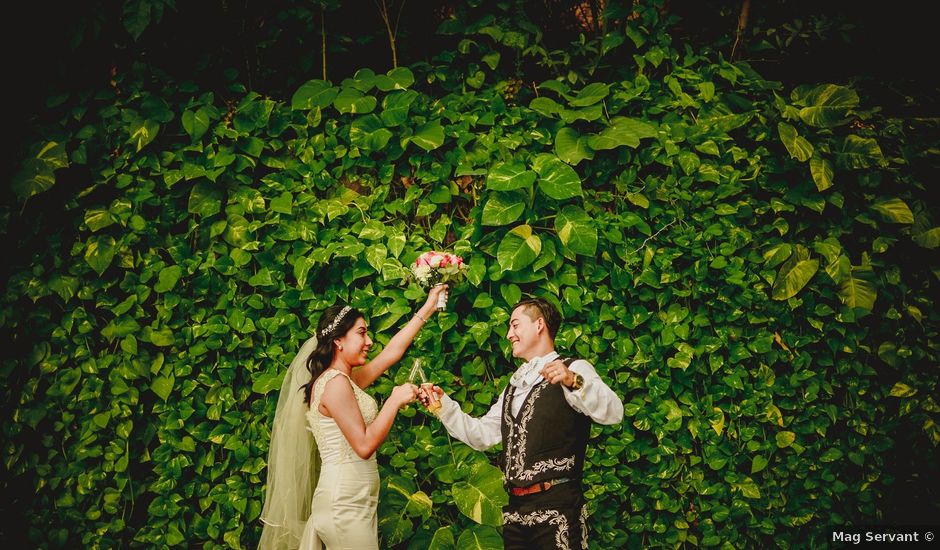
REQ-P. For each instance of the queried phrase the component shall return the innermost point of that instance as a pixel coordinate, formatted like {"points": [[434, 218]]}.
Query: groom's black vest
{"points": [[546, 440]]}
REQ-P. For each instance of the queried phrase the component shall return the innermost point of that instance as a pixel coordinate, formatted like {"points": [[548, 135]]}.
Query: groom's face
{"points": [[523, 333]]}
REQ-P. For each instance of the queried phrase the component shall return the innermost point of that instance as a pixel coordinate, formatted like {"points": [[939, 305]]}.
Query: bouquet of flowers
{"points": [[438, 268]]}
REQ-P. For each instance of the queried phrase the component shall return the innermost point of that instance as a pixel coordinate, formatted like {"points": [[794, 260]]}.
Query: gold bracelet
{"points": [[418, 315]]}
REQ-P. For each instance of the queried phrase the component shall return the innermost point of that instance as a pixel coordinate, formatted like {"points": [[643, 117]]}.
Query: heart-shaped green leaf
{"points": [[518, 248], [482, 496], [479, 537], [168, 278], [163, 386], [821, 170], [398, 78], [503, 208], [622, 131], [572, 147], [205, 199], [828, 105], [395, 107], [929, 238], [545, 106], [312, 94], [99, 251], [590, 94], [507, 176], [429, 136], [856, 152], [791, 280], [894, 210], [369, 133], [196, 123], [576, 230], [556, 179], [796, 145], [351, 100]]}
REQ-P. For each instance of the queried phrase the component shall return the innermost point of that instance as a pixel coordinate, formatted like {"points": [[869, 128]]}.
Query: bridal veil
{"points": [[293, 463]]}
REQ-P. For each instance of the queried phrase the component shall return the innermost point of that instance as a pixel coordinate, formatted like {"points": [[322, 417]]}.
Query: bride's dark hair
{"points": [[334, 322]]}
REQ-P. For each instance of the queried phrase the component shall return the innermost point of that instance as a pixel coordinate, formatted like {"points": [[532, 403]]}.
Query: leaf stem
{"points": [[653, 236], [323, 38], [383, 10]]}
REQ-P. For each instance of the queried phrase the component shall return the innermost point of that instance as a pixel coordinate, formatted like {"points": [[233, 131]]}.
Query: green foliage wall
{"points": [[734, 258]]}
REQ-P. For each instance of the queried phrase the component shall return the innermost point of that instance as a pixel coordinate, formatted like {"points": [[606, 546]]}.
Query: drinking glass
{"points": [[416, 376]]}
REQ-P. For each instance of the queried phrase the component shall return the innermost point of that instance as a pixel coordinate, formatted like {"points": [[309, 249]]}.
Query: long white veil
{"points": [[293, 463]]}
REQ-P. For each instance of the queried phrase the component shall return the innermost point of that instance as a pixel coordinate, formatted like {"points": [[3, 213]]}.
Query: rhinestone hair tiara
{"points": [[336, 321]]}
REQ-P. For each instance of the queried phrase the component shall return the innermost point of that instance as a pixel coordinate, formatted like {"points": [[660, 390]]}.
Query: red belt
{"points": [[537, 487]]}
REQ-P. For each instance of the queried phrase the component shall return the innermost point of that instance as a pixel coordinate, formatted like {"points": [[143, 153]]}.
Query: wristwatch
{"points": [[578, 382]]}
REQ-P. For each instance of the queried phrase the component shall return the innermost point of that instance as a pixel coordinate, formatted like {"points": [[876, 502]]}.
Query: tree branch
{"points": [[383, 9], [323, 38], [742, 26]]}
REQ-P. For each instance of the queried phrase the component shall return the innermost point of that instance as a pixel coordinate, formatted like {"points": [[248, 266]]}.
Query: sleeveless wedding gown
{"points": [[343, 515]]}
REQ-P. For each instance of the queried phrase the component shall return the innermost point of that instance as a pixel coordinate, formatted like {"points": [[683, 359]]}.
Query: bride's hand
{"points": [[404, 394], [433, 295]]}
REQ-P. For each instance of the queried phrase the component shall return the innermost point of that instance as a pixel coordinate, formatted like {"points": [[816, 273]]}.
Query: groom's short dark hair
{"points": [[540, 307]]}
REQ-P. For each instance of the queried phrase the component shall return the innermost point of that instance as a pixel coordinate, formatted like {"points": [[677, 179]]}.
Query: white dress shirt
{"points": [[595, 399]]}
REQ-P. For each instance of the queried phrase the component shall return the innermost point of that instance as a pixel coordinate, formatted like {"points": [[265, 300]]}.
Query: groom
{"points": [[543, 419]]}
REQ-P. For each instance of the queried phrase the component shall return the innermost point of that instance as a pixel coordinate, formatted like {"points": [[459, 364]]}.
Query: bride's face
{"points": [[356, 344]]}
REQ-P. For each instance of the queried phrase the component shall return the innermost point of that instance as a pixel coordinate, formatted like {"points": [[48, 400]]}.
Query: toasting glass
{"points": [[417, 376]]}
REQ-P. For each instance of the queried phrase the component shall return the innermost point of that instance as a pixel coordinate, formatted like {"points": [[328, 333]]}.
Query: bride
{"points": [[347, 427]]}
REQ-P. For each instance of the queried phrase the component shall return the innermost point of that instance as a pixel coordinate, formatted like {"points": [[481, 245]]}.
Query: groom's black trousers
{"points": [[550, 520]]}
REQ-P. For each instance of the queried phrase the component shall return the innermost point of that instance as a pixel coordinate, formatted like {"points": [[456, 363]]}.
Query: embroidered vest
{"points": [[546, 440]]}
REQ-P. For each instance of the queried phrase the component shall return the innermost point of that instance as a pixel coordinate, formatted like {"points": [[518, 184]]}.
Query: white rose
{"points": [[422, 272]]}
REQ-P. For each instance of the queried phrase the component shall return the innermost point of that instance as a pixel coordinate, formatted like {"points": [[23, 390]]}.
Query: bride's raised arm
{"points": [[399, 343]]}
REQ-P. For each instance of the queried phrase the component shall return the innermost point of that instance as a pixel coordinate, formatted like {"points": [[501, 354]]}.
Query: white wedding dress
{"points": [[344, 511]]}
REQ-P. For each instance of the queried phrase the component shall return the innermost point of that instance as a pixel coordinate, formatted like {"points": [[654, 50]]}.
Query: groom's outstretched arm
{"points": [[479, 433]]}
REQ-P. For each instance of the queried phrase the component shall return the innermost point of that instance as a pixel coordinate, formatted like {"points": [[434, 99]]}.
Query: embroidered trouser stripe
{"points": [[584, 529], [553, 520]]}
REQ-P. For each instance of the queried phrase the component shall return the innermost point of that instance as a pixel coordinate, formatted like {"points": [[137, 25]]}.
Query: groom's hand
{"points": [[425, 394], [557, 373]]}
